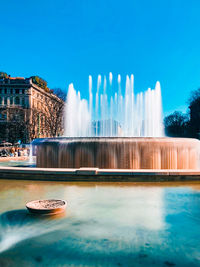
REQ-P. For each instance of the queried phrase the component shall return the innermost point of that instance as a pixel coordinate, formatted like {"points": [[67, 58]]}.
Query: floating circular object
{"points": [[48, 206]]}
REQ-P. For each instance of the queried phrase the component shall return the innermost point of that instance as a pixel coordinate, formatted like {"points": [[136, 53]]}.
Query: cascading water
{"points": [[31, 154], [110, 115], [116, 131]]}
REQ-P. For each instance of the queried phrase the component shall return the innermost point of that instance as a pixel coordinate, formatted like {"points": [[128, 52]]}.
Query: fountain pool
{"points": [[112, 224], [106, 224]]}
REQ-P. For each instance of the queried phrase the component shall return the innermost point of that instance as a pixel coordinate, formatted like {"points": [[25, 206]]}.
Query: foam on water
{"points": [[18, 225]]}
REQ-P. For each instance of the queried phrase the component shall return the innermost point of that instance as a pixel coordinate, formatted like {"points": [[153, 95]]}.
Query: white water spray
{"points": [[116, 114]]}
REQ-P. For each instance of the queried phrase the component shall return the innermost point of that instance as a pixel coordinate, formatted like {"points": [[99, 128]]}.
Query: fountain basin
{"points": [[47, 207], [119, 153]]}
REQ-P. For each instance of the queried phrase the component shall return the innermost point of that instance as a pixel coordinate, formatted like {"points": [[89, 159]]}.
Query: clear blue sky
{"points": [[64, 41]]}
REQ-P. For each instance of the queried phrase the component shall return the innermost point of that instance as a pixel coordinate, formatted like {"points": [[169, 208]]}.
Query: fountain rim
{"points": [[105, 139]]}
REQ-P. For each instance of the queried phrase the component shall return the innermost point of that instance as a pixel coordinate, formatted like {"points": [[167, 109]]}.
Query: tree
{"points": [[176, 124], [60, 93], [13, 125], [194, 97], [194, 106], [32, 123], [40, 82], [52, 116], [28, 124], [47, 119], [3, 74]]}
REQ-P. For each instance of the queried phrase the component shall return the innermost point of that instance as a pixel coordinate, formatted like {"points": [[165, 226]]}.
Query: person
{"points": [[12, 151], [4, 153], [25, 152]]}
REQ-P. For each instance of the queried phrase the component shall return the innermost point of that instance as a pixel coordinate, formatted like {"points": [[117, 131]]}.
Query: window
{"points": [[5, 101], [11, 91], [5, 91], [23, 91], [0, 91], [17, 91], [3, 116], [1, 100], [17, 117], [23, 101], [17, 100], [11, 100]]}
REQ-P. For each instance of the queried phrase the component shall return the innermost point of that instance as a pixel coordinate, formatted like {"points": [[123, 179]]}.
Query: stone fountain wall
{"points": [[119, 153]]}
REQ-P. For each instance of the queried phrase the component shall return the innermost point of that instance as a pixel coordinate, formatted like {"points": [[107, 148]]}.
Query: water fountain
{"points": [[120, 132], [116, 131], [31, 161], [127, 116]]}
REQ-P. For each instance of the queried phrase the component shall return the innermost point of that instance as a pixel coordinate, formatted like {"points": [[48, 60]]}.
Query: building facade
{"points": [[28, 109]]}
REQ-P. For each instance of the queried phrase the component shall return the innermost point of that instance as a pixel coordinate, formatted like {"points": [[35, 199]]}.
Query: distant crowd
{"points": [[14, 152]]}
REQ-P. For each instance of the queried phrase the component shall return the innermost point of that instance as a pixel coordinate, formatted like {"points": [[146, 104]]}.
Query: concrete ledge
{"points": [[100, 175], [86, 171]]}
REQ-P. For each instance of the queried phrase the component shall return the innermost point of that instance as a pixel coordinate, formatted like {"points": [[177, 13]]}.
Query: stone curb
{"points": [[95, 174]]}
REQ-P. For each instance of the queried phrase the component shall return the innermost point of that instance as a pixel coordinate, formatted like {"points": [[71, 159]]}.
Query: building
{"points": [[28, 109]]}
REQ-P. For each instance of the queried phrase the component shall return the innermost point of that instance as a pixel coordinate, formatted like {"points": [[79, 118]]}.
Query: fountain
{"points": [[127, 116], [31, 154], [116, 131]]}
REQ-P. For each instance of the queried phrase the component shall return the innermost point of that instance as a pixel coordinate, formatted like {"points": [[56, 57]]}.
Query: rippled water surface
{"points": [[110, 224], [17, 163]]}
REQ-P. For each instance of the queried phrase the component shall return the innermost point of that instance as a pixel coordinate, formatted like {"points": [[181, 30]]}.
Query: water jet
{"points": [[116, 132]]}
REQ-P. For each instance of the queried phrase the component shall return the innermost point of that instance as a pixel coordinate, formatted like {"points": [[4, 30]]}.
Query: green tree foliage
{"points": [[194, 97], [194, 106], [176, 124], [40, 82], [181, 125], [3, 75]]}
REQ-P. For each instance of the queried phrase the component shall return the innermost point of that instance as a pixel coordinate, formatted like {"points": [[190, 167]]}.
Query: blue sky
{"points": [[64, 41]]}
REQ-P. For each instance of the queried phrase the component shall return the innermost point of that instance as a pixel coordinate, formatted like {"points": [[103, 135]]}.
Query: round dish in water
{"points": [[48, 206]]}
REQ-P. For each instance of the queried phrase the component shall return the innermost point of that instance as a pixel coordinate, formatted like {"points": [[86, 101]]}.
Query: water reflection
{"points": [[105, 225], [139, 207]]}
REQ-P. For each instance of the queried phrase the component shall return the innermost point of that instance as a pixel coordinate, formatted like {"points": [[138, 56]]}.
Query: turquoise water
{"points": [[110, 224], [17, 163]]}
